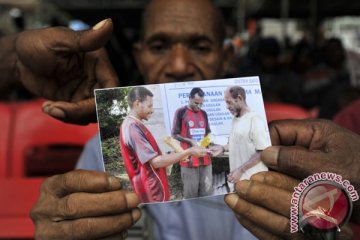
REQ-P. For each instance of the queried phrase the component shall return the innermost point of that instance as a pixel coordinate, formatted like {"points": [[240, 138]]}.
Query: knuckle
{"points": [[44, 231], [68, 208], [284, 226], [35, 213], [248, 211], [83, 229]]}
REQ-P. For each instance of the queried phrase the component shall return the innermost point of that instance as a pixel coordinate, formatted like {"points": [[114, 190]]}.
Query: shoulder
{"points": [[203, 112], [181, 111]]}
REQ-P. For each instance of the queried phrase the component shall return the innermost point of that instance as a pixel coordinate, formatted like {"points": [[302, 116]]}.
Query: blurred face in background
{"points": [[180, 42]]}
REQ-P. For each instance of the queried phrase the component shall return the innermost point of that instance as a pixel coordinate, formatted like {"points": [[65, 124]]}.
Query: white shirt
{"points": [[249, 133]]}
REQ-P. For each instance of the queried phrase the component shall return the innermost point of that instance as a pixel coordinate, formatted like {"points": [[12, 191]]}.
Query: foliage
{"points": [[109, 124]]}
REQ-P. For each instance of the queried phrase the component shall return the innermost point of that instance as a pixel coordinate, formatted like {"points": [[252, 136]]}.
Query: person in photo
{"points": [[248, 137], [190, 126], [143, 160]]}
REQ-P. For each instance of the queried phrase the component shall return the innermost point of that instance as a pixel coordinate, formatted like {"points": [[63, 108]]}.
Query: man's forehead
{"points": [[178, 23], [197, 97]]}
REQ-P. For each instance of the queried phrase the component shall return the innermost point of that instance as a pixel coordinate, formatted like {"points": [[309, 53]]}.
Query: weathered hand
{"points": [[84, 205], [262, 205], [65, 67], [304, 147]]}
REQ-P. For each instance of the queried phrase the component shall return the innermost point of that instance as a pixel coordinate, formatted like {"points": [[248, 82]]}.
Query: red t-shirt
{"points": [[193, 125], [138, 147]]}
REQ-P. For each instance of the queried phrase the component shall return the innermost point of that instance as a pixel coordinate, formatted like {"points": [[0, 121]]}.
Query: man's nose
{"points": [[180, 64]]}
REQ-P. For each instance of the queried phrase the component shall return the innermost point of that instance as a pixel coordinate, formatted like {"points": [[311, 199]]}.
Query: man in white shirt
{"points": [[249, 135]]}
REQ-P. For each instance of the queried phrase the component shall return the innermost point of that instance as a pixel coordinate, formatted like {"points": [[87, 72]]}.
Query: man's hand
{"points": [[235, 175], [198, 151], [65, 67], [262, 205], [304, 147], [216, 150], [84, 205], [194, 143]]}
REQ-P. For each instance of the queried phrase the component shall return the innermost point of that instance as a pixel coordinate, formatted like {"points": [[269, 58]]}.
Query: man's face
{"points": [[179, 44], [233, 105], [145, 108], [196, 102]]}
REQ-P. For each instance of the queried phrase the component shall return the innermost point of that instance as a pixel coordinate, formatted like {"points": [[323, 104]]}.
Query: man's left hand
{"points": [[65, 67]]}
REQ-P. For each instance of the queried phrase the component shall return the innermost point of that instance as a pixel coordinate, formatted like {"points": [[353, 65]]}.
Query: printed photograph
{"points": [[185, 140]]}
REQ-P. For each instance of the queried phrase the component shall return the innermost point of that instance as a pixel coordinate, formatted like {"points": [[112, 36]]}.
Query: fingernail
{"points": [[57, 112], [46, 106], [114, 183], [45, 109], [100, 24], [270, 156], [231, 200], [132, 200], [135, 214], [242, 187]]}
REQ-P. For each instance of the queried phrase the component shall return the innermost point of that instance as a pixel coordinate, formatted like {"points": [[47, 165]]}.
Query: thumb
{"points": [[89, 40], [82, 112]]}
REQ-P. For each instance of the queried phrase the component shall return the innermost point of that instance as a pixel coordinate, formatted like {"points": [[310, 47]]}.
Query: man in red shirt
{"points": [[190, 126], [143, 159]]}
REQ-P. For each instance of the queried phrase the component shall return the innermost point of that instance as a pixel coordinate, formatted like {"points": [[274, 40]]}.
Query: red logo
{"points": [[325, 206], [202, 123]]}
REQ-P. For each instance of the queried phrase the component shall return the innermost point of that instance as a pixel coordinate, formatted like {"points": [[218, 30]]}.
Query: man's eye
{"points": [[158, 47], [201, 48]]}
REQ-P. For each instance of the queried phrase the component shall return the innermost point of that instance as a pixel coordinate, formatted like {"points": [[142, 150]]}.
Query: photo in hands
{"points": [[185, 140]]}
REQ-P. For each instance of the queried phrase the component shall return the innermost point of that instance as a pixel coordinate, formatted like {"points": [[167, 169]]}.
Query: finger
{"points": [[83, 41], [102, 204], [265, 219], [276, 179], [88, 228], [82, 112], [265, 196], [297, 132], [294, 160], [105, 73], [80, 181]]}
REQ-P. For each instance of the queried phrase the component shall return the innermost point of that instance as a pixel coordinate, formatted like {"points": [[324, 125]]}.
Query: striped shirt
{"points": [[193, 125]]}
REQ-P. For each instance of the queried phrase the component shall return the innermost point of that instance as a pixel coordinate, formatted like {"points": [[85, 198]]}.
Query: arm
{"points": [[177, 128], [169, 159], [189, 141], [236, 174]]}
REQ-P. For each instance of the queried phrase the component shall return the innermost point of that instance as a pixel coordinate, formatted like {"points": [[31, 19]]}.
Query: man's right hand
{"points": [[84, 205], [198, 151]]}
